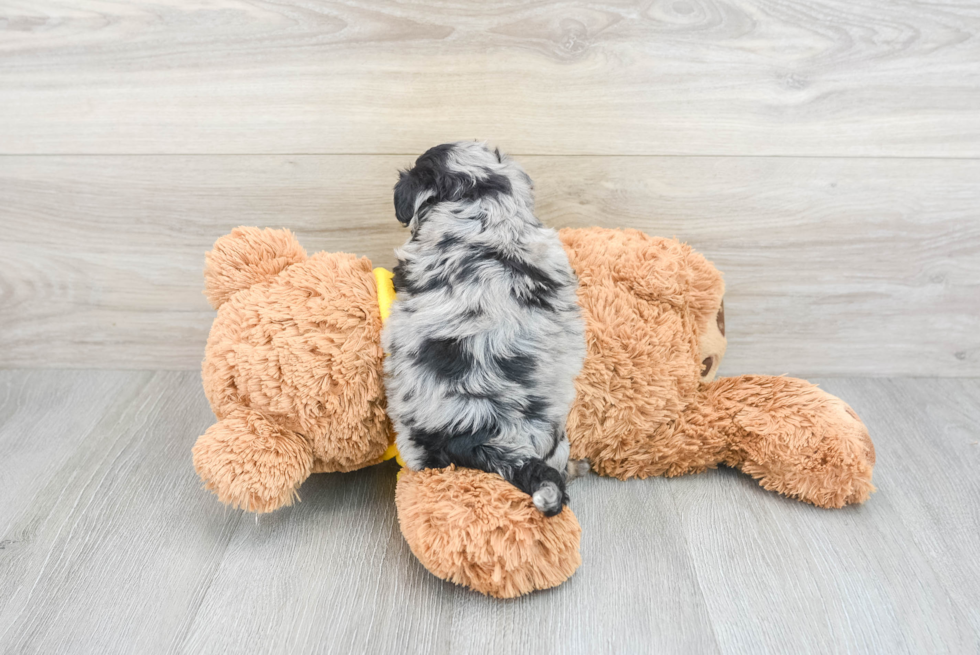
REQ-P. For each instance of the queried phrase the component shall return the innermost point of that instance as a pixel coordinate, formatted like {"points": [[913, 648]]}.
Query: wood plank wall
{"points": [[825, 155]]}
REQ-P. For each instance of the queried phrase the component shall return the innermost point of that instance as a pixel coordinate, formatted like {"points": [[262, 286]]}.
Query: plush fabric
{"points": [[252, 463], [245, 257], [643, 407], [793, 437], [293, 367], [297, 345], [477, 530]]}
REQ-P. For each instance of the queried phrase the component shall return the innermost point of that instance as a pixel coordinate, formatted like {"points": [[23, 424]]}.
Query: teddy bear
{"points": [[293, 372]]}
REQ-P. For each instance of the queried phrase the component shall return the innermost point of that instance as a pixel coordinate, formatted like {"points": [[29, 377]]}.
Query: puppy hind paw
{"points": [[543, 484], [548, 499], [578, 468]]}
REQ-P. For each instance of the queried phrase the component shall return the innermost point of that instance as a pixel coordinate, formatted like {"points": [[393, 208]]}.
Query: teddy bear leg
{"points": [[797, 439], [251, 463], [477, 530]]}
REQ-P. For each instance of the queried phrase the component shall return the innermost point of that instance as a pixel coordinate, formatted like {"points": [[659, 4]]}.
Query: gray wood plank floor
{"points": [[108, 544]]}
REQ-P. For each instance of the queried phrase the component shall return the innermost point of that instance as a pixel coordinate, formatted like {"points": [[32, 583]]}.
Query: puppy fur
{"points": [[485, 337]]}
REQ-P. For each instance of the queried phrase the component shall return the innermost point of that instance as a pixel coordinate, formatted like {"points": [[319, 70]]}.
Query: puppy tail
{"points": [[544, 484]]}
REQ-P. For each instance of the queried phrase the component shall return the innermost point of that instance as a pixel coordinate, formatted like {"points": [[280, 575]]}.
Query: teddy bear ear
{"points": [[246, 256]]}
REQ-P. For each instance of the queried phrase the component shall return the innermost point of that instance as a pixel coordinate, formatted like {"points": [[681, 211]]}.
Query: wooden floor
{"points": [[108, 544]]}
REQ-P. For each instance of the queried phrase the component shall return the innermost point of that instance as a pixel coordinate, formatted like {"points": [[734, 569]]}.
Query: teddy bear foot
{"points": [[799, 440], [477, 530], [251, 463]]}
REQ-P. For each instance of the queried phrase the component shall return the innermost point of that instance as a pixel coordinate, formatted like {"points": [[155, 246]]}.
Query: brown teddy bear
{"points": [[293, 371]]}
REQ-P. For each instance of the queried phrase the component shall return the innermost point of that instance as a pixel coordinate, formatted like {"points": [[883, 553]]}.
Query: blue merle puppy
{"points": [[485, 338]]}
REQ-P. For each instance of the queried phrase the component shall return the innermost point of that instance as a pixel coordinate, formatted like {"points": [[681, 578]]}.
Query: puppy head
{"points": [[466, 171]]}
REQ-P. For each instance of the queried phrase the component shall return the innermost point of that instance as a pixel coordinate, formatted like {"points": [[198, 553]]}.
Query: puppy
{"points": [[485, 337]]}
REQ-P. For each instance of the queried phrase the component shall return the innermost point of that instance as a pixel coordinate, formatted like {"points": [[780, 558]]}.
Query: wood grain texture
{"points": [[710, 77], [334, 575], [833, 266], [118, 542], [117, 549], [44, 418], [890, 576]]}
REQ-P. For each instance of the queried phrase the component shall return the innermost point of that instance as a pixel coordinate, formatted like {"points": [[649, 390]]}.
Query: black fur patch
{"points": [[473, 313], [535, 410], [468, 448], [448, 242], [540, 289], [557, 434], [524, 269], [449, 359], [407, 189], [529, 477], [540, 300], [400, 281], [472, 450], [431, 175], [404, 284], [492, 184], [519, 369]]}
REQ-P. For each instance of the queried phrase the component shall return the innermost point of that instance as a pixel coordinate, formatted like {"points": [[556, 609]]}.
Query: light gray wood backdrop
{"points": [[825, 155]]}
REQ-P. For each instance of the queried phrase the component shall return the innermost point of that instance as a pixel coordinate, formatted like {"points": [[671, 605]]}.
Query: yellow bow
{"points": [[386, 296]]}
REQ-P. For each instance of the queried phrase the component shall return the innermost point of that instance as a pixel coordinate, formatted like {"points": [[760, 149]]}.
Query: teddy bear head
{"points": [[296, 341], [655, 324]]}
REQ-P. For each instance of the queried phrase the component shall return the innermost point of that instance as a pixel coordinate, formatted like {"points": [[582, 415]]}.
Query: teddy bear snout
{"points": [[870, 446], [712, 343], [865, 437]]}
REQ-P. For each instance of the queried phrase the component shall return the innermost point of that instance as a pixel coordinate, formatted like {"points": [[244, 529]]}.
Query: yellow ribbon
{"points": [[386, 291], [386, 295]]}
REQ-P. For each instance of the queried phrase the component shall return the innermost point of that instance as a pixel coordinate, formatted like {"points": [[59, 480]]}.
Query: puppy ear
{"points": [[407, 189]]}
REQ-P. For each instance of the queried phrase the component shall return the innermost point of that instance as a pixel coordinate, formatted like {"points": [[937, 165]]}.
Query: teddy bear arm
{"points": [[477, 530], [690, 444], [793, 437], [251, 463]]}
